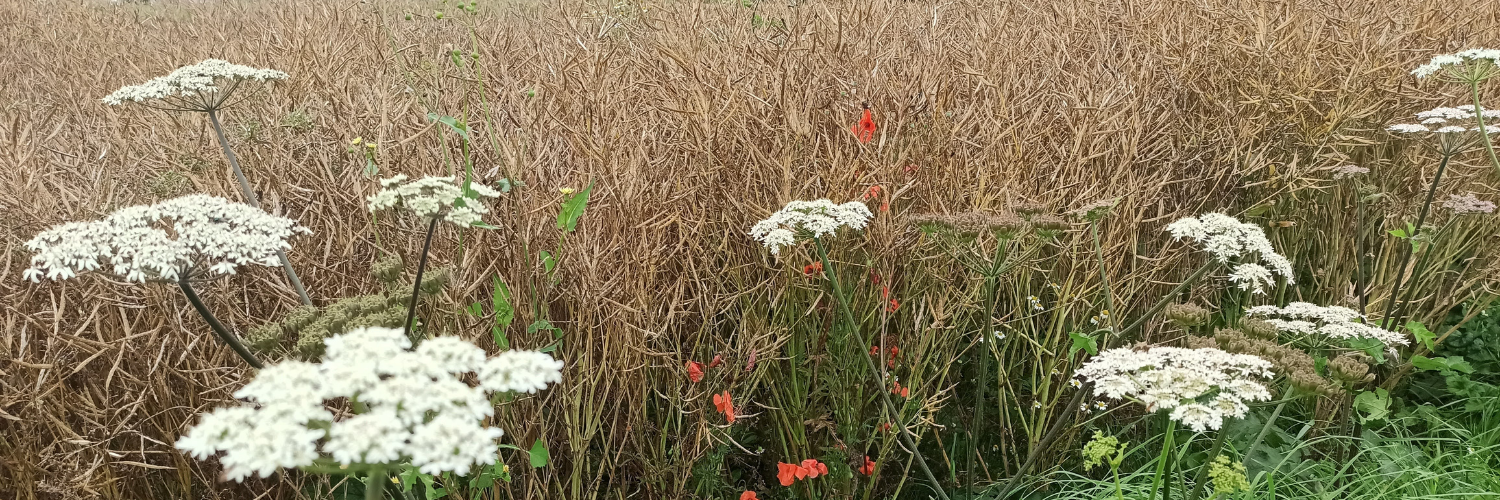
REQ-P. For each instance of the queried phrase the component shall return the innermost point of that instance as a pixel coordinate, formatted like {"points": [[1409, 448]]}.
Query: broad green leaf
{"points": [[1373, 348], [572, 209], [1373, 405], [1422, 334], [504, 313], [1084, 342], [476, 309], [548, 263], [1451, 363], [539, 454], [1399, 233]]}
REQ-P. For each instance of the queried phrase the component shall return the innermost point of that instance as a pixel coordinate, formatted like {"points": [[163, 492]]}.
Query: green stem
{"points": [[991, 291], [375, 484], [416, 289], [228, 338], [239, 175], [1109, 298], [880, 388], [1203, 469], [1406, 251], [1161, 463], [1479, 117]]}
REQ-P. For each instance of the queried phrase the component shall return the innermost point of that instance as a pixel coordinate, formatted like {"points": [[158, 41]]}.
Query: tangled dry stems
{"points": [[695, 123]]}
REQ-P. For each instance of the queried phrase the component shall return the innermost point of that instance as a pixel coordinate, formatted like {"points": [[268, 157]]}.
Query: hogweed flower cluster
{"points": [[1468, 204], [799, 219], [1348, 171], [1297, 366], [1446, 120], [200, 87], [1333, 322], [434, 197], [1004, 225], [416, 407], [1227, 238], [1201, 387], [179, 238], [1486, 60]]}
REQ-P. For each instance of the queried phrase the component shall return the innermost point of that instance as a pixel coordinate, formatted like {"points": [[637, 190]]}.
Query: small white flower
{"points": [[198, 87], [1202, 387], [418, 409], [816, 218], [181, 237], [1468, 204], [1330, 321], [1036, 405], [1438, 63], [434, 197], [1227, 238]]}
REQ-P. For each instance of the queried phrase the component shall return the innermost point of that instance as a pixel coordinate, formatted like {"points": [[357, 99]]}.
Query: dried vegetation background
{"points": [[694, 120]]}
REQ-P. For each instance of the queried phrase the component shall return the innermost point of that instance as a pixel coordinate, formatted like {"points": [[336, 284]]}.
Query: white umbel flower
{"points": [[1201, 387], [198, 87], [1440, 62], [808, 218], [1449, 120], [433, 197], [189, 236], [418, 408], [1329, 321], [1227, 238]]}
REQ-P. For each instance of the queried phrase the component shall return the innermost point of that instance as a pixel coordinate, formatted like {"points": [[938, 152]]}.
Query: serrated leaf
{"points": [[1373, 405], [1399, 233], [1441, 364], [1371, 347], [572, 209], [1422, 334], [1084, 342], [539, 454]]}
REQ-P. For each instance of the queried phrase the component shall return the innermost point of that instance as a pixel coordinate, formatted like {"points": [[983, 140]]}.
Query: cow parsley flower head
{"points": [[808, 218], [417, 407], [1201, 387], [1449, 121], [1329, 321], [1227, 238], [1468, 204], [433, 197], [183, 237], [1458, 61], [200, 87], [1347, 171]]}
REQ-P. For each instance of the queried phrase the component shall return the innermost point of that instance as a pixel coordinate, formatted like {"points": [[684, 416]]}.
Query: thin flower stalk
{"points": [[416, 287], [1163, 459], [1406, 251], [252, 200], [902, 433], [213, 322]]}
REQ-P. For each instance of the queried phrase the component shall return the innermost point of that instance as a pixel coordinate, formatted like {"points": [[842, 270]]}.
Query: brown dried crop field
{"points": [[693, 120]]}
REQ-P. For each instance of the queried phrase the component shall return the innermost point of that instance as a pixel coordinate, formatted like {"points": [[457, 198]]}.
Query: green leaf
{"points": [[504, 313], [572, 209], [1422, 334], [1448, 364], [1373, 405], [504, 185], [548, 263], [539, 454], [1399, 233], [476, 309], [1373, 348], [371, 169], [1084, 342], [452, 123]]}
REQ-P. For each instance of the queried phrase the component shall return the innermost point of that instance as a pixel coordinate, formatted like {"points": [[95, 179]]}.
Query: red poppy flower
{"points": [[874, 278], [813, 269], [748, 495], [874, 349], [893, 306], [885, 427], [905, 393], [873, 192], [725, 405], [894, 351], [695, 371], [868, 468], [885, 207], [718, 360], [911, 169], [865, 130], [885, 292], [814, 468], [786, 473], [750, 365]]}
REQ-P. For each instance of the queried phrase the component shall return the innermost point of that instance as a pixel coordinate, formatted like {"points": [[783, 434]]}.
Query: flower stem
{"points": [[991, 292], [1266, 429], [1161, 464], [859, 336], [375, 484], [1406, 252], [1484, 135], [228, 338], [1209, 460], [239, 175], [416, 288], [1057, 426]]}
